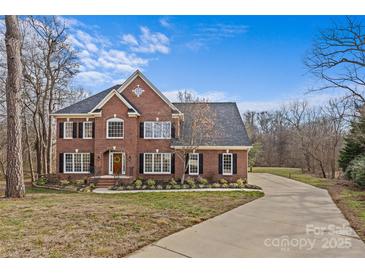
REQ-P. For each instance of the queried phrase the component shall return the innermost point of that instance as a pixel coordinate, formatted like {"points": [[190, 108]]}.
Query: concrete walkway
{"points": [[292, 220]]}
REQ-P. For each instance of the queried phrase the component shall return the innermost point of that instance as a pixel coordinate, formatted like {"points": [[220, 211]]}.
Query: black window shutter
{"points": [[60, 163], [93, 130], [92, 168], [141, 130], [60, 130], [172, 130], [201, 170], [141, 163], [187, 163], [81, 129], [74, 130], [173, 163], [234, 163], [220, 163]]}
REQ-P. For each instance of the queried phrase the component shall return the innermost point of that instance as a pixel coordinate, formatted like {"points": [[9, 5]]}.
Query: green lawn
{"points": [[60, 224], [348, 197]]}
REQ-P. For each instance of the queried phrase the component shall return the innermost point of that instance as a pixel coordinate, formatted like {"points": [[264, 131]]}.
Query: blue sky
{"points": [[256, 61]]}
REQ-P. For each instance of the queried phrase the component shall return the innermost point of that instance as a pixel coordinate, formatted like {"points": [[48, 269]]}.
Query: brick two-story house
{"points": [[132, 130]]}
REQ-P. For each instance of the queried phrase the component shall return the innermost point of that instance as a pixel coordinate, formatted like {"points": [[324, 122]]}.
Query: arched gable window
{"points": [[114, 128]]}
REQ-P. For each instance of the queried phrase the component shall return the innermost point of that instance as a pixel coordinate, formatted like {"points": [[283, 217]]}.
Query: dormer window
{"points": [[115, 128]]}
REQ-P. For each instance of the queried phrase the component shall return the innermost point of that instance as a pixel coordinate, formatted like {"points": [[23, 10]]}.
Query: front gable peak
{"points": [[138, 91]]}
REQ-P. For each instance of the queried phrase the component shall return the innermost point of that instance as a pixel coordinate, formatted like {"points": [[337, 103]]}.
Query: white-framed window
{"points": [[157, 130], [115, 128], [157, 163], [68, 130], [193, 163], [87, 130], [227, 164], [76, 162]]}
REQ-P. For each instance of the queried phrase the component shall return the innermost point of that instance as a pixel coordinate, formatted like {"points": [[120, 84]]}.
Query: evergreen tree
{"points": [[354, 143]]}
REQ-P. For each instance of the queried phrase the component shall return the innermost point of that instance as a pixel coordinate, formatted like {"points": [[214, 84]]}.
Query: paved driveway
{"points": [[292, 220]]}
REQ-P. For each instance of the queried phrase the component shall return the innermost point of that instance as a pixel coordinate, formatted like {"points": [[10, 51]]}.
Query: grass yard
{"points": [[348, 197], [60, 224]]}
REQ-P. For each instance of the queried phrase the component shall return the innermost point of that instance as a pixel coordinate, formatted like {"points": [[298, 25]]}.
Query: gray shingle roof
{"points": [[86, 105], [229, 128]]}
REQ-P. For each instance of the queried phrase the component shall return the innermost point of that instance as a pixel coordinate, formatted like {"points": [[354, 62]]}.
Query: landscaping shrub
{"points": [[176, 186], [190, 182], [121, 188], [357, 170], [185, 186], [216, 185], [202, 185], [130, 187], [223, 181], [137, 184], [202, 181], [78, 182], [151, 183], [115, 187], [159, 187], [41, 181], [172, 182], [224, 185], [234, 185], [241, 182], [92, 186], [168, 186], [65, 182]]}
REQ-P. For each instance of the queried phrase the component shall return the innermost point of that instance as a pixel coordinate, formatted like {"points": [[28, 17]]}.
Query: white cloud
{"points": [[212, 96], [165, 22], [147, 42], [205, 35], [90, 78], [129, 39]]}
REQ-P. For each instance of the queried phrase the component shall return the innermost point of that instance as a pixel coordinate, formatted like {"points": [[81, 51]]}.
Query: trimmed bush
{"points": [[151, 184], [202, 186], [233, 185], [241, 182], [129, 187], [137, 184], [92, 186], [78, 182], [65, 182], [224, 185], [159, 187], [185, 186], [223, 181], [168, 186], [176, 186], [216, 185], [172, 182], [202, 181], [190, 182]]}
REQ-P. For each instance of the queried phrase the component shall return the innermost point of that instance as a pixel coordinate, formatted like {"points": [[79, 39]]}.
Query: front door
{"points": [[117, 163]]}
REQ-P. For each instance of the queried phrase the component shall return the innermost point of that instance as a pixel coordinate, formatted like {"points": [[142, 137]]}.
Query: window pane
{"points": [[88, 129], [115, 129], [157, 163], [77, 162], [147, 162], [227, 163], [68, 162], [86, 162], [193, 163], [148, 127], [166, 130], [68, 129], [166, 162], [157, 130]]}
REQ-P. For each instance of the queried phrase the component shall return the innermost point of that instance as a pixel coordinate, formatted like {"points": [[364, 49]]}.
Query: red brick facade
{"points": [[151, 107]]}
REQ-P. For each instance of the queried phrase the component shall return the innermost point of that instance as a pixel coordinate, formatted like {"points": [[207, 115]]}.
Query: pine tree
{"points": [[354, 143]]}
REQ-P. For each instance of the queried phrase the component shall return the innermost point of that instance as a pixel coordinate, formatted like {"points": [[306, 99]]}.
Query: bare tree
{"points": [[338, 58], [14, 168], [198, 126]]}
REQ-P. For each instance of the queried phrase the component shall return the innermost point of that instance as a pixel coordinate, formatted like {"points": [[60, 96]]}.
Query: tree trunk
{"points": [[29, 150], [14, 170]]}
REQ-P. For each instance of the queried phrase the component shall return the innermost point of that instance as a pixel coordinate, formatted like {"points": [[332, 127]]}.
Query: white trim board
{"points": [[214, 147]]}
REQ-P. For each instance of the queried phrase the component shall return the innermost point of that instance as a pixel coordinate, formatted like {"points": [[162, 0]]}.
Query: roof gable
{"points": [[136, 74]]}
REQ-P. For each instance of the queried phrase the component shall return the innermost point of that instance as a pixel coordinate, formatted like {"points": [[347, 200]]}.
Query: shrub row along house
{"points": [[132, 130]]}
